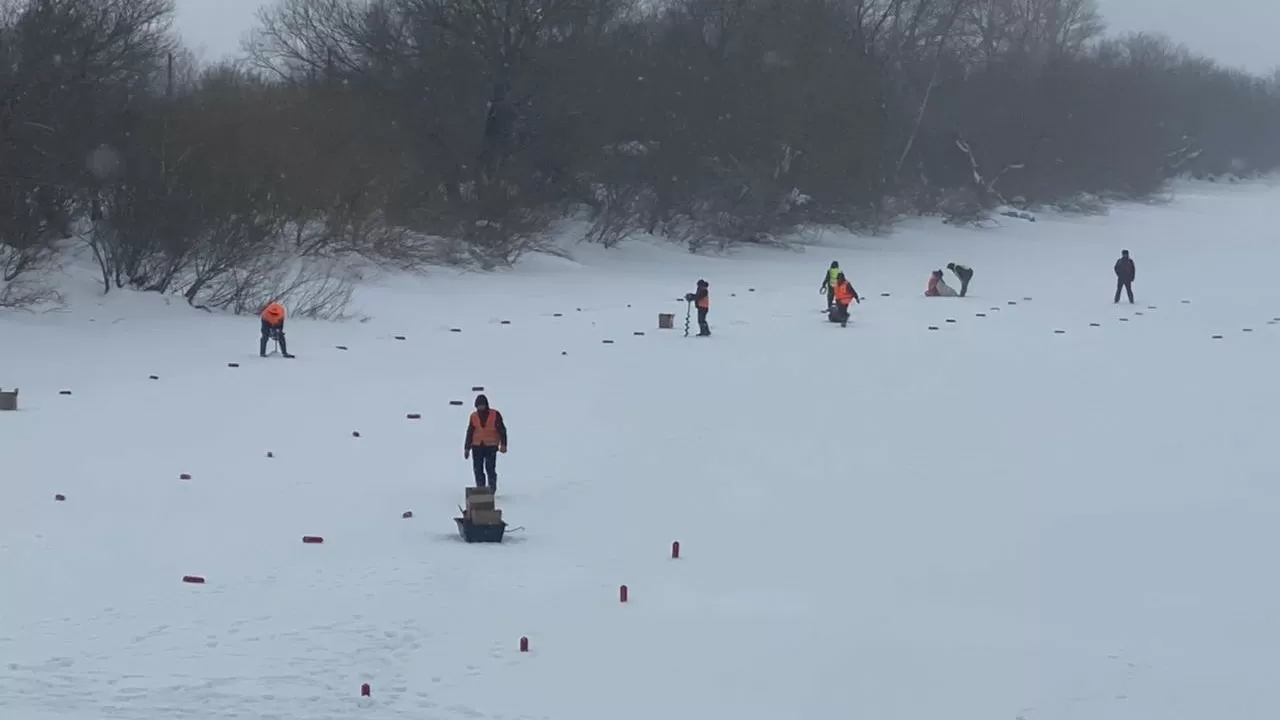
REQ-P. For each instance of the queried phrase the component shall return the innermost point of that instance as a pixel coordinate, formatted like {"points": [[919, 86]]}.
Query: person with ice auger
{"points": [[829, 283], [843, 295], [701, 300], [273, 329], [486, 437]]}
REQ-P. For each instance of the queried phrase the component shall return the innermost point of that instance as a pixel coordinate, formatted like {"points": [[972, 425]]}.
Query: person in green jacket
{"points": [[829, 283], [963, 274]]}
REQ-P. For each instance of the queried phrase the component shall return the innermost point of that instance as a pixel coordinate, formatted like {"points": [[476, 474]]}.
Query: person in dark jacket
{"points": [[486, 437], [1125, 274], [963, 274], [702, 300]]}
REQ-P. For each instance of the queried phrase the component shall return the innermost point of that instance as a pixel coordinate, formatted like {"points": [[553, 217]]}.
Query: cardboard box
{"points": [[481, 502], [485, 517]]}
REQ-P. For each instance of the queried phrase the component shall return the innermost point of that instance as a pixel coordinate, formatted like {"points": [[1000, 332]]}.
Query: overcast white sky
{"points": [[1239, 33]]}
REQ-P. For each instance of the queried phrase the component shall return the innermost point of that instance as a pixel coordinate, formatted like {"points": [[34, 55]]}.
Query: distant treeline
{"points": [[417, 132]]}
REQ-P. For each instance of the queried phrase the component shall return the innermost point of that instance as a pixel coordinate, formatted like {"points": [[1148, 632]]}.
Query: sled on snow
{"points": [[481, 520]]}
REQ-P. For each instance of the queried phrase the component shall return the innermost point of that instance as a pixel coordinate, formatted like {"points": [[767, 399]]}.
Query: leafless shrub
{"points": [[370, 236], [500, 243], [232, 246], [25, 277], [1081, 204], [310, 288], [963, 207], [616, 213]]}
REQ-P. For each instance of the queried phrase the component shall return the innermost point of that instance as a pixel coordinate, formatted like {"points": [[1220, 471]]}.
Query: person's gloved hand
{"points": [[688, 297], [502, 449], [466, 454]]}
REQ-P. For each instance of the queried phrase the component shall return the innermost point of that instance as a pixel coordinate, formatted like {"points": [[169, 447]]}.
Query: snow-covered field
{"points": [[990, 520]]}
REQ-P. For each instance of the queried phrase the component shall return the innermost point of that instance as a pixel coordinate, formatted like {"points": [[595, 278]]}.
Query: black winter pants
{"points": [[484, 462], [839, 313], [703, 327], [1125, 285], [268, 331]]}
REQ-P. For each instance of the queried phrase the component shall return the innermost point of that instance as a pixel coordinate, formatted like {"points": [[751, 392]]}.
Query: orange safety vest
{"points": [[274, 314], [485, 434], [704, 302], [844, 293]]}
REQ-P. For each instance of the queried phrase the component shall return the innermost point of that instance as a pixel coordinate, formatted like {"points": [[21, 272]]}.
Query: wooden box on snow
{"points": [[8, 400], [480, 499], [485, 517], [666, 321]]}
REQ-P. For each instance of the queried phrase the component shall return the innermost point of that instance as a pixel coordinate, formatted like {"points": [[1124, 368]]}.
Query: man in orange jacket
{"points": [[486, 437], [273, 328]]}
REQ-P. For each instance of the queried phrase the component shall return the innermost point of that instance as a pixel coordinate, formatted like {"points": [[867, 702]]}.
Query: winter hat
{"points": [[835, 264], [482, 401], [703, 283], [951, 266]]}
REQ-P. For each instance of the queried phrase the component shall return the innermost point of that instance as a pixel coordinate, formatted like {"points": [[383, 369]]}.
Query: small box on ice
{"points": [[485, 517], [480, 500]]}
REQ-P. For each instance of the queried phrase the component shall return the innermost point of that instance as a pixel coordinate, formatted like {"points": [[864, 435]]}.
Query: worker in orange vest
{"points": [[844, 295], [273, 328], [701, 300], [486, 437]]}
